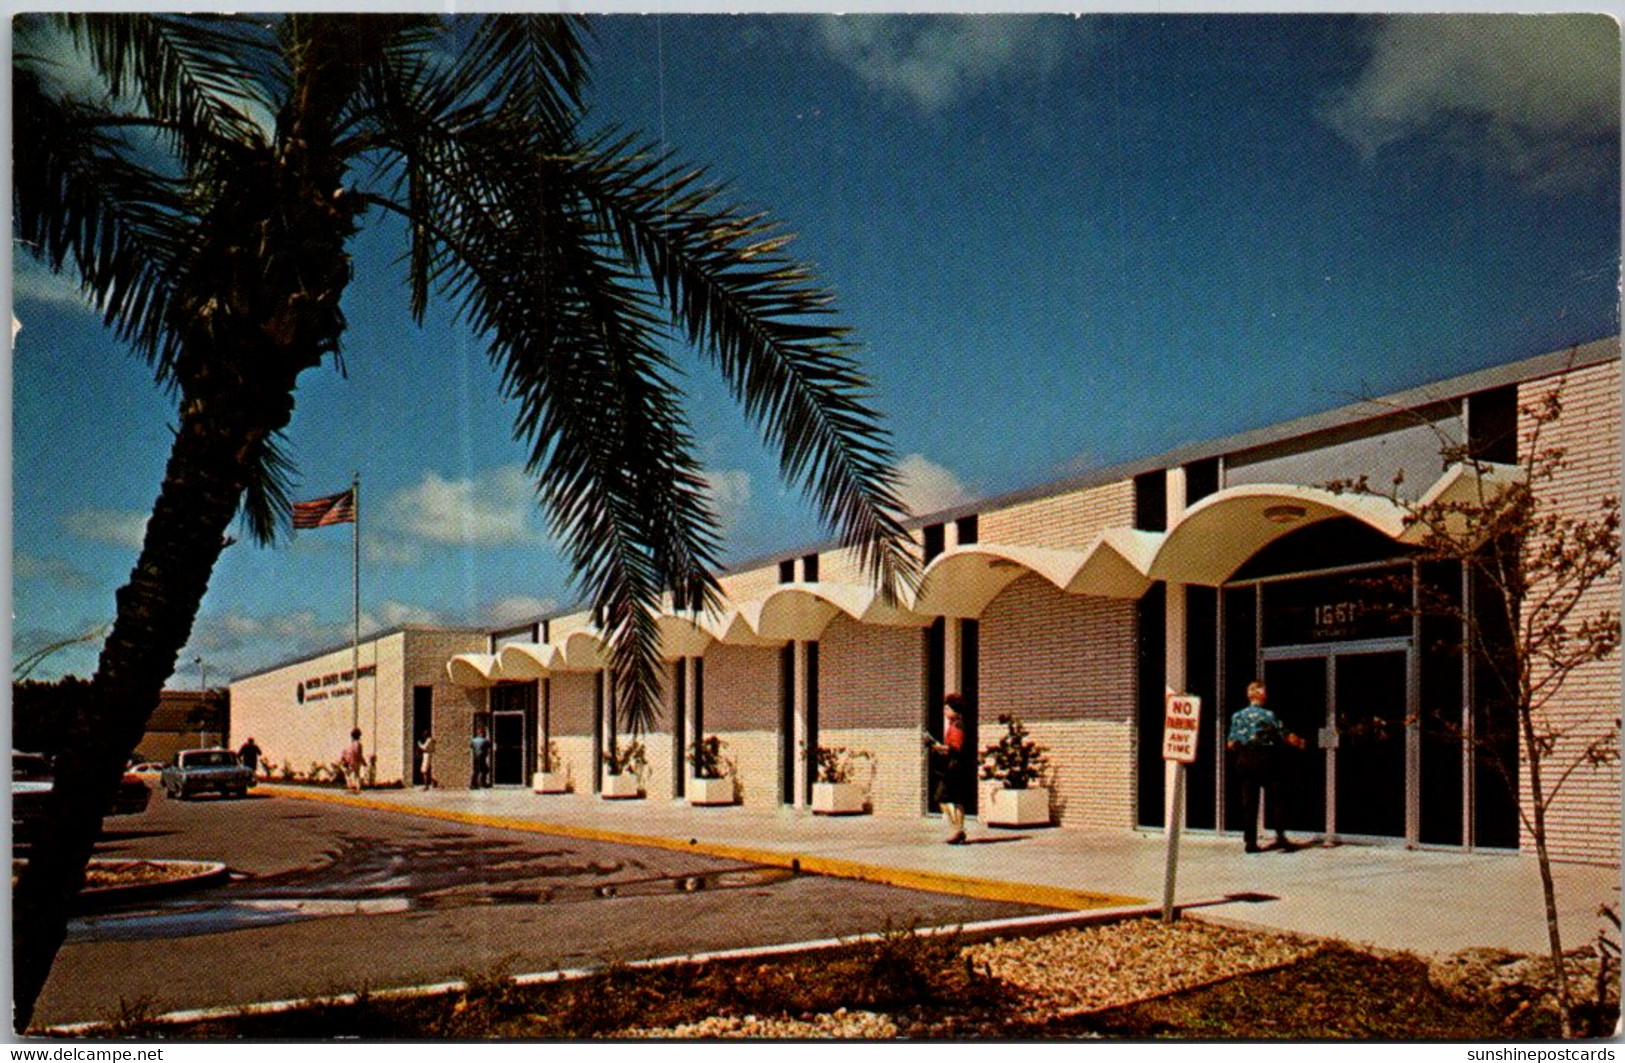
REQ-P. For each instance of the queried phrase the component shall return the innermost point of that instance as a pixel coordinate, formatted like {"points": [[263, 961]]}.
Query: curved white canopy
{"points": [[963, 580], [528, 660], [474, 670], [1216, 536], [583, 650], [803, 610], [683, 635], [735, 628], [1463, 484]]}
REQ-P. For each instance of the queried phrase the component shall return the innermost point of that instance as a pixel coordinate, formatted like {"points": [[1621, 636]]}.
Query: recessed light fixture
{"points": [[1284, 514]]}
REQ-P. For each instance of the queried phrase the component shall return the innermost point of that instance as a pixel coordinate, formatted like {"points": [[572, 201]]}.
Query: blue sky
{"points": [[1063, 242]]}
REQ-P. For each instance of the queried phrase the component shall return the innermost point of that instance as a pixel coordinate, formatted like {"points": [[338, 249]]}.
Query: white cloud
{"points": [[494, 508], [730, 494], [395, 614], [32, 281], [1536, 96], [390, 551], [115, 526], [1078, 464], [935, 60], [224, 637], [925, 487], [49, 570], [518, 607]]}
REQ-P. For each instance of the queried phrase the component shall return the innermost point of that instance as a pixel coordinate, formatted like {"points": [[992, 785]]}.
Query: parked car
{"points": [[131, 797], [33, 778], [148, 770], [31, 782], [200, 771]]}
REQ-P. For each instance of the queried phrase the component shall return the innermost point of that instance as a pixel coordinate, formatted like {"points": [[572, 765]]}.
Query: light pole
{"points": [[203, 701]]}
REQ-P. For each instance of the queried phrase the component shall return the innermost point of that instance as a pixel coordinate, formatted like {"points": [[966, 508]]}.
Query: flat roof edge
{"points": [[1574, 356], [378, 636]]}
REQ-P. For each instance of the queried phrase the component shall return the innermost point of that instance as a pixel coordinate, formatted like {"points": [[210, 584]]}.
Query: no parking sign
{"points": [[1180, 725]]}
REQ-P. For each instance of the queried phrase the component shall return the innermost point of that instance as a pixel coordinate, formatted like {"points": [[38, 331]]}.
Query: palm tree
{"points": [[205, 204]]}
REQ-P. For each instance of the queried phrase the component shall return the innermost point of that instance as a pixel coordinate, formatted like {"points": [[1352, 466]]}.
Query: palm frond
{"points": [[265, 507], [125, 230], [577, 341], [530, 66], [768, 327], [198, 76]]}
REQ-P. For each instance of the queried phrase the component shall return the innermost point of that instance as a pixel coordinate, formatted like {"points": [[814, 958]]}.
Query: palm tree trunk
{"points": [[209, 465]]}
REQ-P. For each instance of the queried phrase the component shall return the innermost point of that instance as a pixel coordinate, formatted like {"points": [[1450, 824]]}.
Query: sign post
{"points": [[1180, 726]]}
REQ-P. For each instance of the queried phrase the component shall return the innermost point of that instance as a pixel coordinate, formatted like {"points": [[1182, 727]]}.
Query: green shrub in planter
{"points": [[709, 758], [837, 763], [1015, 761]]}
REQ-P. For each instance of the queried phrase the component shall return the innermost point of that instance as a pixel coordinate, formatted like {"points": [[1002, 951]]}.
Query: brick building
{"points": [[1074, 606]]}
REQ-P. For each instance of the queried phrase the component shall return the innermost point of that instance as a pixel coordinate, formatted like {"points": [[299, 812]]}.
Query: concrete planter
{"points": [[621, 787], [1019, 808], [837, 798], [711, 791], [550, 782]]}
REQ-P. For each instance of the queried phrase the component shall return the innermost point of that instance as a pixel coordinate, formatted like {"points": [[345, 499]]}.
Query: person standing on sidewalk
{"points": [[426, 759], [352, 760], [949, 764], [249, 755], [479, 748], [1258, 741]]}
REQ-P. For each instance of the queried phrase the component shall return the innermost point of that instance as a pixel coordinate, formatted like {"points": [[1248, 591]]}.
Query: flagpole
{"points": [[355, 583]]}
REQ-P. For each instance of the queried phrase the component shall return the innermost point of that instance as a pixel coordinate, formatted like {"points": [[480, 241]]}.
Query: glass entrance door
{"points": [[508, 748], [1351, 706], [1298, 690], [1370, 718]]}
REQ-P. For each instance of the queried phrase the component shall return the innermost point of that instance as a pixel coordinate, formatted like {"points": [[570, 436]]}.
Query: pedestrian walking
{"points": [[1258, 742], [249, 755], [951, 780], [352, 760]]}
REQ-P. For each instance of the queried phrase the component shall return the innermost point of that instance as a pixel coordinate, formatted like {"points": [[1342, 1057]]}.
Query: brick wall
{"points": [[1047, 655], [741, 688], [742, 708], [870, 676], [1064, 522], [1584, 822], [754, 583], [893, 776], [423, 663], [1091, 771], [575, 760], [755, 758]]}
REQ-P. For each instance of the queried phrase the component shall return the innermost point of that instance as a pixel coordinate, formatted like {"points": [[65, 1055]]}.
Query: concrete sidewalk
{"points": [[1422, 901]]}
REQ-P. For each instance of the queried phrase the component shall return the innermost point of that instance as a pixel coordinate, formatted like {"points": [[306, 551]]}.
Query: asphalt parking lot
{"points": [[327, 898]]}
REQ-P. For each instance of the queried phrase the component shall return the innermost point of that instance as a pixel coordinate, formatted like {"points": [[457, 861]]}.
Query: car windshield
{"points": [[210, 759]]}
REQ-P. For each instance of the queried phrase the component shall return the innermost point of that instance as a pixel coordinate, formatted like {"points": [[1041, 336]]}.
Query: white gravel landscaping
{"points": [[1096, 967], [1064, 973]]}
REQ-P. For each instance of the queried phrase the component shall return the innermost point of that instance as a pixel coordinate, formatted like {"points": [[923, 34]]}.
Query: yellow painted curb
{"points": [[834, 867]]}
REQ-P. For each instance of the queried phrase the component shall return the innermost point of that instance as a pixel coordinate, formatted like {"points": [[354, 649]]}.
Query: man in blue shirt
{"points": [[1257, 740], [480, 748]]}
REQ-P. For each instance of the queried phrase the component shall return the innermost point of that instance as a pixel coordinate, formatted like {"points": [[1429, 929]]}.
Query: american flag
{"points": [[334, 509]]}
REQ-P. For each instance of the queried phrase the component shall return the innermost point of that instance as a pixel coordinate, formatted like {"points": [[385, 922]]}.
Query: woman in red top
{"points": [[951, 776]]}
